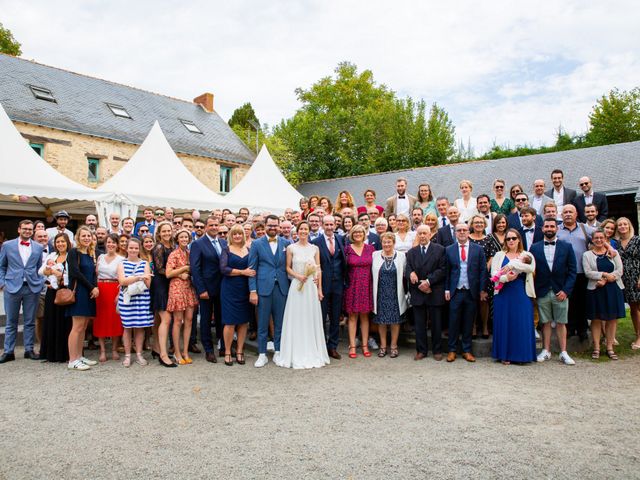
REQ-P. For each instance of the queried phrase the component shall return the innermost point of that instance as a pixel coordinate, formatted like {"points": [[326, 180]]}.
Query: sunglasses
{"points": [[199, 227], [144, 231], [515, 192], [511, 239], [584, 184], [521, 199], [223, 234], [498, 187], [177, 223], [159, 212]]}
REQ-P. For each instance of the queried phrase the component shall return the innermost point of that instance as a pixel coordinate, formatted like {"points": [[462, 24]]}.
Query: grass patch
{"points": [[625, 335]]}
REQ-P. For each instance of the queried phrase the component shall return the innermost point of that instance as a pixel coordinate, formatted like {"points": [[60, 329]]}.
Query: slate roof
{"points": [[614, 169], [81, 107]]}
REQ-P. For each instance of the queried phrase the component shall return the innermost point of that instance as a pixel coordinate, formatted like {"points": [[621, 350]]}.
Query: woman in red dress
{"points": [[358, 296], [182, 296]]}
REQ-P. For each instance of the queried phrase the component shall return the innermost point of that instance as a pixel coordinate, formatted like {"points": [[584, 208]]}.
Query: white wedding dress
{"points": [[302, 344]]}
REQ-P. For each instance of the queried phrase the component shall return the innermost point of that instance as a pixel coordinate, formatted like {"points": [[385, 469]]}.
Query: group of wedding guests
{"points": [[502, 265]]}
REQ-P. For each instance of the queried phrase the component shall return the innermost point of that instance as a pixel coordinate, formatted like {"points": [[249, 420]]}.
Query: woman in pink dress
{"points": [[358, 296]]}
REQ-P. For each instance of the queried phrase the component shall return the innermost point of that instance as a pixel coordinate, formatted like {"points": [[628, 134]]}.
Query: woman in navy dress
{"points": [[513, 329], [160, 291], [234, 292]]}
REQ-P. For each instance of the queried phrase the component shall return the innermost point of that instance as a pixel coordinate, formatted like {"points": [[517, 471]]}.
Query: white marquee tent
{"points": [[155, 177], [29, 183], [264, 187]]}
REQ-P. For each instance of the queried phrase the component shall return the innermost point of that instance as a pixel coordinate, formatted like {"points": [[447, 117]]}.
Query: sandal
{"points": [[595, 354], [382, 352], [127, 361], [140, 360], [229, 362], [103, 357], [394, 352], [114, 355], [188, 360], [506, 362], [352, 354], [635, 346], [612, 355], [240, 358], [365, 351]]}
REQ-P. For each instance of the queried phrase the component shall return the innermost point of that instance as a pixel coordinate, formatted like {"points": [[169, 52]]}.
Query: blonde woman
{"points": [[344, 200], [160, 291], [629, 249], [82, 277], [467, 205], [405, 237]]}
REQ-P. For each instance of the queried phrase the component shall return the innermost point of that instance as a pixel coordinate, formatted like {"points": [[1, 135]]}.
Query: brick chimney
{"points": [[206, 100]]}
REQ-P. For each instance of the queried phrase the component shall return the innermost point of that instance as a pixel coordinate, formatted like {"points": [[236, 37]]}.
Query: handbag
{"points": [[64, 295]]}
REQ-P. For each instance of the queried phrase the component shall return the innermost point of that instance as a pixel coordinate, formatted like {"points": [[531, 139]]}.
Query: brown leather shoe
{"points": [[333, 353], [469, 357], [437, 357], [211, 357], [451, 357], [419, 356]]}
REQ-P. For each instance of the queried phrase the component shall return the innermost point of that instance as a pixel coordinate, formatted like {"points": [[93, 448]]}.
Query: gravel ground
{"points": [[364, 418]]}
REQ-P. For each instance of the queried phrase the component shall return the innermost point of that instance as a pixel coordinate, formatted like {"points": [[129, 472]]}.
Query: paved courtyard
{"points": [[364, 418]]}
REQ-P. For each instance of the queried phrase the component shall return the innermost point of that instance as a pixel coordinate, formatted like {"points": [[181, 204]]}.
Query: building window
{"points": [[38, 148], [93, 170], [225, 179], [192, 127], [42, 93], [118, 111]]}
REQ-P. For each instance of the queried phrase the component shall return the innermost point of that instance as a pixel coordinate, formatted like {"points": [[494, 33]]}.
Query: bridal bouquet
{"points": [[309, 270]]}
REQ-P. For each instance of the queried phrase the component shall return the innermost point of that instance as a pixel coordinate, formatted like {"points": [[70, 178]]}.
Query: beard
{"points": [[549, 235]]}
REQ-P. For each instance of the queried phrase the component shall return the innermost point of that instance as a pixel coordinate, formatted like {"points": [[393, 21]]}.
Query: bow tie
{"points": [[26, 244], [401, 197], [527, 230], [273, 240], [549, 243]]}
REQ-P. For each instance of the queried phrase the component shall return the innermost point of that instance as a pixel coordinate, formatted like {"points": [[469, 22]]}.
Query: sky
{"points": [[508, 73]]}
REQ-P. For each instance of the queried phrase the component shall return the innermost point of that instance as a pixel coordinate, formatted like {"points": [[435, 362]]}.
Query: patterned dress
{"points": [[181, 292], [137, 313], [630, 257], [358, 296], [387, 298], [506, 207]]}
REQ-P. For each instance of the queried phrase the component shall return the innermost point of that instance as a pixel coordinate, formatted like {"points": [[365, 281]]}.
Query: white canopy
{"points": [[155, 177], [29, 183], [264, 187]]}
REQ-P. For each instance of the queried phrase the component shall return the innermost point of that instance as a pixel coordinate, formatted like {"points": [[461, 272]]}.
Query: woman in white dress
{"points": [[467, 205], [303, 344]]}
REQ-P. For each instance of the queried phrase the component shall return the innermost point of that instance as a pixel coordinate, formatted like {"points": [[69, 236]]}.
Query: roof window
{"points": [[118, 110], [192, 127], [42, 93]]}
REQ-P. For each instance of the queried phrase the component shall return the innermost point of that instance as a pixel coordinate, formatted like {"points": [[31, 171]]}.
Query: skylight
{"points": [[42, 93], [118, 110], [192, 127]]}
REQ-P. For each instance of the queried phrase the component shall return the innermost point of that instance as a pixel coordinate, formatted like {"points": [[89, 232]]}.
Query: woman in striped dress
{"points": [[134, 304]]}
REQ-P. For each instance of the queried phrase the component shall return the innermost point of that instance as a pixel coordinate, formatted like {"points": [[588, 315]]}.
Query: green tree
{"points": [[8, 44], [615, 118], [243, 116]]}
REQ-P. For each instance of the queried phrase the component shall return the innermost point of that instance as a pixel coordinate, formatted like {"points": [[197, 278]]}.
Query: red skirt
{"points": [[107, 322]]}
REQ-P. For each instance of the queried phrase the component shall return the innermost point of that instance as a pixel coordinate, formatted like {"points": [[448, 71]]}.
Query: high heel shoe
{"points": [[365, 351], [168, 365], [352, 354], [240, 358], [228, 363]]}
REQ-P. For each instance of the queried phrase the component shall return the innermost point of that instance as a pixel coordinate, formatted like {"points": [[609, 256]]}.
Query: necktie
{"points": [[444, 221], [424, 250], [26, 244], [331, 247], [216, 245], [549, 243], [463, 253]]}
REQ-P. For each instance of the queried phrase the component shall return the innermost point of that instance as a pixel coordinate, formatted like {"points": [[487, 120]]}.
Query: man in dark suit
{"points": [[426, 273], [465, 285], [334, 266], [514, 219], [559, 193], [446, 234], [529, 231], [554, 281], [20, 260], [587, 197], [204, 258]]}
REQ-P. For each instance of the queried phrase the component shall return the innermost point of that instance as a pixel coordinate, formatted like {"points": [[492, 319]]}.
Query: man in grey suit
{"points": [[559, 193], [539, 199], [20, 260]]}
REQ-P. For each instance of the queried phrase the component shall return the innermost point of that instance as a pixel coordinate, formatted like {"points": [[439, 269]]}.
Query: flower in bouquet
{"points": [[309, 270]]}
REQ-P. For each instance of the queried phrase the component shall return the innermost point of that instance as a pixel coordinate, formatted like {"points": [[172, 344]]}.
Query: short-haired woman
{"points": [[466, 205], [389, 301], [425, 200], [500, 203], [405, 237]]}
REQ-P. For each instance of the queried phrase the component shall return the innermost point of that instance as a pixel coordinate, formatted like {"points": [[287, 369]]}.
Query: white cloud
{"points": [[506, 71]]}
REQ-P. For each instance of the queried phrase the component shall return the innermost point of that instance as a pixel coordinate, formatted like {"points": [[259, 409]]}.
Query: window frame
{"points": [[96, 162], [189, 123], [39, 146], [42, 93], [226, 173], [113, 107]]}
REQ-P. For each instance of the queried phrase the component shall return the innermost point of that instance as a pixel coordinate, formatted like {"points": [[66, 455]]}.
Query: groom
{"points": [[269, 288]]}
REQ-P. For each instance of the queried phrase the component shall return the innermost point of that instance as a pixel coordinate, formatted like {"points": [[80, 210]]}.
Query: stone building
{"points": [[87, 128]]}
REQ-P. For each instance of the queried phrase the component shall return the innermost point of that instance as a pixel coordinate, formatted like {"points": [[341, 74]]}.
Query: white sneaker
{"points": [[544, 355], [271, 347], [373, 345], [276, 357], [78, 365], [86, 361], [219, 345], [566, 359], [537, 335], [261, 361], [553, 324]]}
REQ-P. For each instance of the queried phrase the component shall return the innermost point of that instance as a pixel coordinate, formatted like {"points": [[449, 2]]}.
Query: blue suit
{"points": [[22, 286], [537, 236], [562, 277], [206, 277], [334, 268], [271, 283], [464, 301], [152, 227], [513, 220]]}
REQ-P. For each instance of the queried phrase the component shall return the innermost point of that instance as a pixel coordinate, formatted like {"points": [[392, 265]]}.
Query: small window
{"points": [[192, 127], [118, 110], [42, 93], [38, 148], [93, 171], [225, 179]]}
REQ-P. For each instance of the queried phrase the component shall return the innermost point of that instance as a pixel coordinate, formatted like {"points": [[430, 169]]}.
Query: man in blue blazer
{"points": [[149, 221], [466, 283], [554, 281], [529, 231], [334, 267], [204, 258], [20, 260], [515, 219], [446, 233], [269, 288]]}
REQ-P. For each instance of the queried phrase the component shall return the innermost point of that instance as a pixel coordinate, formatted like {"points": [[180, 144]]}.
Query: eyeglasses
{"points": [[521, 200], [511, 239], [144, 231], [499, 187], [584, 184], [177, 223], [516, 192], [223, 234]]}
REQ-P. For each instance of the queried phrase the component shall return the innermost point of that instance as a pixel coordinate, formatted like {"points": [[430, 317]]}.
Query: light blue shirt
{"points": [[578, 241]]}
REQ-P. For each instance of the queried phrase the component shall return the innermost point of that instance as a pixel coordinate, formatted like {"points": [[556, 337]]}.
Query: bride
{"points": [[302, 344]]}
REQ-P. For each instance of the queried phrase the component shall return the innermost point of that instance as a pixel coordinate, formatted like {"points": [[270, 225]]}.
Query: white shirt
{"points": [[215, 242], [529, 235], [25, 251], [588, 198], [463, 281], [273, 245], [441, 221], [53, 231], [402, 204], [536, 202], [558, 197], [550, 253], [489, 219]]}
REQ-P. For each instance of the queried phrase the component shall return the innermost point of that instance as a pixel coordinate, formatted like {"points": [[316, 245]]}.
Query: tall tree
{"points": [[615, 118], [243, 115], [8, 44]]}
